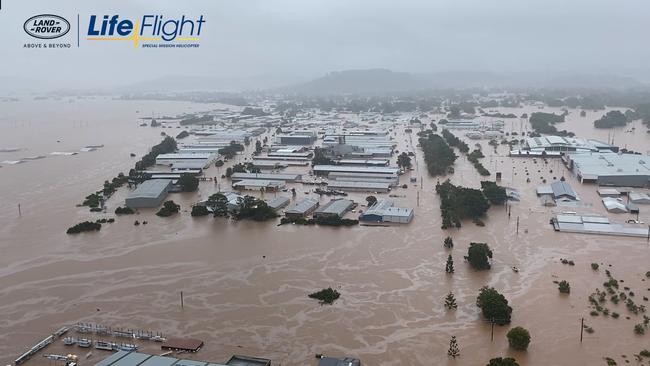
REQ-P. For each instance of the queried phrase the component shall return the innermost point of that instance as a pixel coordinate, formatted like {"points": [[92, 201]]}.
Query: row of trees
{"points": [[166, 146], [457, 203], [438, 156], [247, 207]]}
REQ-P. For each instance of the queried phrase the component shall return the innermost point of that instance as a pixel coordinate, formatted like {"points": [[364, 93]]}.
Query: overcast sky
{"points": [[311, 37]]}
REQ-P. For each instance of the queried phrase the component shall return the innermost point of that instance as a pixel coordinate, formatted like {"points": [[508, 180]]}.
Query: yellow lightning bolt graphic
{"points": [[135, 37]]}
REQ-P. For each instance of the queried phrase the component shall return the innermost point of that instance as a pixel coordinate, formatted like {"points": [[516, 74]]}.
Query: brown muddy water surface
{"points": [[246, 283]]}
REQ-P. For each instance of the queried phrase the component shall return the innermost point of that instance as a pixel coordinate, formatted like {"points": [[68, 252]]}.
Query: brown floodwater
{"points": [[245, 284]]}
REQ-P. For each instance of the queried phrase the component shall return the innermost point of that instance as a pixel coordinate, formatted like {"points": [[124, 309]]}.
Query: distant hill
{"points": [[359, 82], [378, 81], [182, 83]]}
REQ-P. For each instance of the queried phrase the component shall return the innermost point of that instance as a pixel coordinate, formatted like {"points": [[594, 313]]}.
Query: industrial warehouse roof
{"points": [[595, 225], [600, 164], [278, 202], [176, 156], [379, 208], [302, 206], [368, 162], [259, 183], [563, 189], [335, 207], [123, 358], [266, 176], [355, 169], [150, 188], [368, 185], [560, 142], [639, 197], [398, 211]]}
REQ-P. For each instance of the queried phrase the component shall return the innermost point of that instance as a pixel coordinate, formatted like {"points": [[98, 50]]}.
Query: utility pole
{"points": [[418, 198], [19, 213], [582, 327], [492, 330], [517, 224], [182, 303]]}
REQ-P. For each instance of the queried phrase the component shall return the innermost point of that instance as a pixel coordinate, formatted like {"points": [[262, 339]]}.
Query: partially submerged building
{"points": [[125, 358], [326, 169], [259, 184], [333, 361], [278, 202], [334, 208], [301, 208], [639, 198], [201, 160], [614, 205], [610, 169], [286, 177], [566, 144], [150, 193], [595, 225], [559, 190], [358, 186], [385, 211]]}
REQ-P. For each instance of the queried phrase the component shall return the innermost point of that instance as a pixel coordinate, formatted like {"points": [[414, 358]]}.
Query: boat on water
{"points": [[515, 269]]}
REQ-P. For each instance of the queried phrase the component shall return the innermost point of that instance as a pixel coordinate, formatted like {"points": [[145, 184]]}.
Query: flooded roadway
{"points": [[245, 283]]}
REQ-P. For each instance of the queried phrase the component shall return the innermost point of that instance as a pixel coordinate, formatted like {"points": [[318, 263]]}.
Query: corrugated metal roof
{"points": [[158, 361], [278, 202], [354, 169], [563, 189], [151, 188], [356, 184], [336, 207], [302, 206], [266, 176]]}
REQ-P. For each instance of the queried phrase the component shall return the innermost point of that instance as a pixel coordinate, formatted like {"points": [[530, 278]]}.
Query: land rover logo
{"points": [[46, 26]]}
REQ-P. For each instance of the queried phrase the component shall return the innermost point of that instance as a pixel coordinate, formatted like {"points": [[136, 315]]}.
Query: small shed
{"points": [[182, 344], [609, 192]]}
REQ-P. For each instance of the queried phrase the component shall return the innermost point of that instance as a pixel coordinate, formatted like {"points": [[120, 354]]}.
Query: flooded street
{"points": [[245, 284]]}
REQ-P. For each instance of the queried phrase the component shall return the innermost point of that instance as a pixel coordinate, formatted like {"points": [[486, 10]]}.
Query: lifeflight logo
{"points": [[150, 31]]}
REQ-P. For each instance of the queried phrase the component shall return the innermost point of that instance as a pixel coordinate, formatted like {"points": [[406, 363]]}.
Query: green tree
{"points": [[188, 182], [448, 243], [255, 209], [449, 267], [478, 256], [404, 161], [564, 287], [453, 348], [199, 211], [450, 301], [258, 147], [219, 204], [494, 306], [518, 338], [503, 362], [371, 200], [494, 193], [320, 157], [168, 208]]}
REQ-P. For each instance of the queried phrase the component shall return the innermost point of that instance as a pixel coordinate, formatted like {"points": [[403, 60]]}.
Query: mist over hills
{"points": [[360, 81]]}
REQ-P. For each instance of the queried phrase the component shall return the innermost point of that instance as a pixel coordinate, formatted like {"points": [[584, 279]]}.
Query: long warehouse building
{"points": [[326, 169], [150, 193]]}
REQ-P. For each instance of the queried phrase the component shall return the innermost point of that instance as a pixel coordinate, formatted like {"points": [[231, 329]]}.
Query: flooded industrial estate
{"points": [[245, 283]]}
